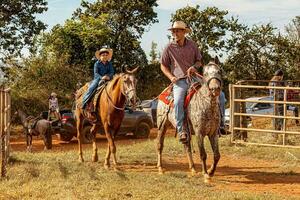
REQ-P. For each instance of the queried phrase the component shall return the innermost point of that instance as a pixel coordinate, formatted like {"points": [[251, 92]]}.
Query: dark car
{"points": [[150, 107], [66, 127], [135, 122]]}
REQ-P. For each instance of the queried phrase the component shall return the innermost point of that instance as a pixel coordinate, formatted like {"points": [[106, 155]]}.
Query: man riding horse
{"points": [[180, 58]]}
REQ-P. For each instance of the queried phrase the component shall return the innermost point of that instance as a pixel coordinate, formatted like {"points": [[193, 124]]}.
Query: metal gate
{"points": [[240, 117], [5, 114]]}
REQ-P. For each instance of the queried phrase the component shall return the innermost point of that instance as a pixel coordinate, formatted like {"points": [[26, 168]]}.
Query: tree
{"points": [[18, 24], [153, 52], [257, 53], [210, 28], [127, 21], [293, 30]]}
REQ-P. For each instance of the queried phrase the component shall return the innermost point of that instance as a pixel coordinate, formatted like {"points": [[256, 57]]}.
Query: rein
{"points": [[110, 100]]}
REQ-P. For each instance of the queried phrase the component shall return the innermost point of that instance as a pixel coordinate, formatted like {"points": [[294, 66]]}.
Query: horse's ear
{"points": [[216, 60], [132, 71]]}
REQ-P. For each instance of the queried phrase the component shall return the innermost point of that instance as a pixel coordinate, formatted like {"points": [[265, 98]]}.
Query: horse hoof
{"points": [[95, 159], [207, 178], [194, 172], [81, 160], [106, 166], [116, 169], [210, 173], [160, 171]]}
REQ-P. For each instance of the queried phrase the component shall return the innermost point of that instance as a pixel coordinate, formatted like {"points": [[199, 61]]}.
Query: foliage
{"points": [[210, 28], [18, 24], [151, 81], [127, 21], [32, 83], [258, 52], [293, 30]]}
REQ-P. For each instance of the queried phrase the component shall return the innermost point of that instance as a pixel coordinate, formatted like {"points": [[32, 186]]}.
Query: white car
{"points": [[254, 107]]}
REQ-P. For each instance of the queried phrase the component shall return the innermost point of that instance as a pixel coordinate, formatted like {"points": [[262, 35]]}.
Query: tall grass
{"points": [[58, 175]]}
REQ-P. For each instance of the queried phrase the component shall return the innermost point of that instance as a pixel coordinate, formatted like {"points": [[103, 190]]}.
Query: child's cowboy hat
{"points": [[180, 25], [104, 50]]}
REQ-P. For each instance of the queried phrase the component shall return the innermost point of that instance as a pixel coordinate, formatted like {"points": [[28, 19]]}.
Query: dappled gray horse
{"points": [[34, 127], [203, 119]]}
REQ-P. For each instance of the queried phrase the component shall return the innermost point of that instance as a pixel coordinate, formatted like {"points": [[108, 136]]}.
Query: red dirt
{"points": [[233, 173]]}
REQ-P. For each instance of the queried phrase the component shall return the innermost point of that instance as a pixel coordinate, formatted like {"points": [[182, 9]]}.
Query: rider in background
{"points": [[53, 106], [180, 58]]}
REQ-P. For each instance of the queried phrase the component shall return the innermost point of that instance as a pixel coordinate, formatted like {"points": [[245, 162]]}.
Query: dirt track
{"points": [[233, 173]]}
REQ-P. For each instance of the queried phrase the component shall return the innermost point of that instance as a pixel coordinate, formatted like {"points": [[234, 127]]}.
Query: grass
{"points": [[58, 175]]}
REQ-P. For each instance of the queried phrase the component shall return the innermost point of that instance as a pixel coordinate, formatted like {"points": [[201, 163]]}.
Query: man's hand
{"points": [[190, 71], [174, 79], [105, 78]]}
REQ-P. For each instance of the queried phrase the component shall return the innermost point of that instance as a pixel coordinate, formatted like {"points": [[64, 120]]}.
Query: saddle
{"points": [[167, 97], [90, 111]]}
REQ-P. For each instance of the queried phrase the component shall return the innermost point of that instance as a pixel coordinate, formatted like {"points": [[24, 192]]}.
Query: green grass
{"points": [[58, 175]]}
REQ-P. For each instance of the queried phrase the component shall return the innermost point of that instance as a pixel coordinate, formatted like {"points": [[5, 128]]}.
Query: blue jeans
{"points": [[92, 88], [179, 91]]}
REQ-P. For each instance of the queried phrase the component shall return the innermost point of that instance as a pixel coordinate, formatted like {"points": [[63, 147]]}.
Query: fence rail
{"points": [[5, 116], [238, 115]]}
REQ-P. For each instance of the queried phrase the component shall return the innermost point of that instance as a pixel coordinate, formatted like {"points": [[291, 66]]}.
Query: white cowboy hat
{"points": [[53, 94], [102, 50], [180, 25]]}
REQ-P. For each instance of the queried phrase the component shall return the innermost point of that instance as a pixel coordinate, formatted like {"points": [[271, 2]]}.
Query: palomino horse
{"points": [[42, 127], [203, 119], [110, 110]]}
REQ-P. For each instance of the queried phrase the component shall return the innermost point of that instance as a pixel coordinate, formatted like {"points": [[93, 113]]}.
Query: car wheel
{"points": [[142, 130], [86, 136]]}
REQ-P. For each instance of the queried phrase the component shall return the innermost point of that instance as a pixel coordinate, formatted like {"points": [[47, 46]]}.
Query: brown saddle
{"points": [[91, 109]]}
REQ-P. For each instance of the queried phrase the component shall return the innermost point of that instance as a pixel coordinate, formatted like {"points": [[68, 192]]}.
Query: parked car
{"points": [[150, 107], [135, 122], [254, 107]]}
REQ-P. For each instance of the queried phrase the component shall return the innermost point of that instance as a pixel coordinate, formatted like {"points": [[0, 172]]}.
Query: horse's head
{"points": [[212, 77], [129, 86]]}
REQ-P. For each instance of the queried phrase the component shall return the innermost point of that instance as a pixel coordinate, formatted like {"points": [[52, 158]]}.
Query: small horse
{"points": [[41, 127], [110, 111], [203, 119]]}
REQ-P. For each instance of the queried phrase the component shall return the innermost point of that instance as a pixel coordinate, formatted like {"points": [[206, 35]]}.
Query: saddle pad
{"points": [[167, 95]]}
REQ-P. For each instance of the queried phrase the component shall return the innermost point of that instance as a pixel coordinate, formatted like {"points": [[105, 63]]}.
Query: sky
{"points": [[249, 12]]}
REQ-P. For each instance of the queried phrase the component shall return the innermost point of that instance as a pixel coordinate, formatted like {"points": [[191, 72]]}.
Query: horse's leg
{"points": [[29, 142], [188, 150], [203, 154], [111, 147], [160, 145], [79, 128], [214, 142], [94, 131]]}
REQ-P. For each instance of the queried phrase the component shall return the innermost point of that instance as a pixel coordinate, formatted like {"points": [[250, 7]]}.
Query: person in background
{"points": [[53, 106], [277, 95]]}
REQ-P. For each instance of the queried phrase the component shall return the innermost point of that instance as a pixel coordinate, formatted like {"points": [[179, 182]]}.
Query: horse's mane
{"points": [[112, 84]]}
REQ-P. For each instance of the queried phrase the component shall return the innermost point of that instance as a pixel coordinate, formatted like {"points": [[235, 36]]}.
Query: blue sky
{"points": [[278, 12]]}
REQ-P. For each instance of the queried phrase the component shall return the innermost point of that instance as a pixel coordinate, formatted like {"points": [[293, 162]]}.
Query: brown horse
{"points": [[203, 119], [110, 111]]}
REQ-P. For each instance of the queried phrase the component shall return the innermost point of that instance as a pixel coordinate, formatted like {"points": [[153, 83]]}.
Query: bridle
{"points": [[124, 93]]}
